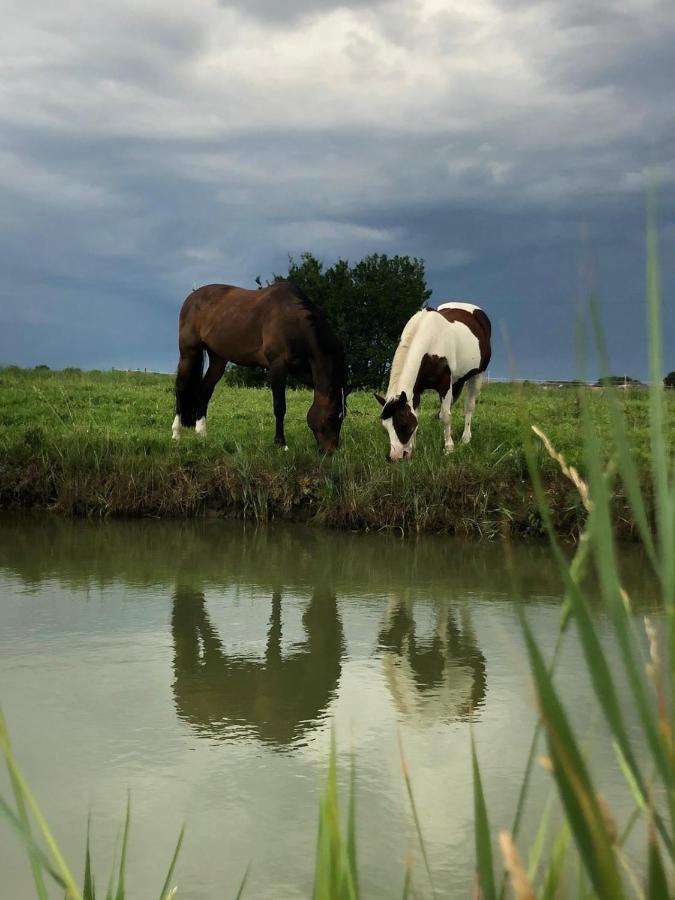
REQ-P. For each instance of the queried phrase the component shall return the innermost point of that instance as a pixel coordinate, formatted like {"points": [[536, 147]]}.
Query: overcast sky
{"points": [[148, 147]]}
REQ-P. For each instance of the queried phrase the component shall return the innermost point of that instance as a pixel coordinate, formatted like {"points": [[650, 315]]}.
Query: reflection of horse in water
{"points": [[277, 698], [439, 677]]}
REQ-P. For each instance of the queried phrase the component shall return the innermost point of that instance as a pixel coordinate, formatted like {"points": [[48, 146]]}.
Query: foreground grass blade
{"points": [[72, 891], [120, 894], [553, 874], [625, 459], [334, 875], [484, 862], [88, 891], [240, 892], [28, 841], [413, 807], [35, 864], [657, 882], [605, 558], [578, 796], [172, 866]]}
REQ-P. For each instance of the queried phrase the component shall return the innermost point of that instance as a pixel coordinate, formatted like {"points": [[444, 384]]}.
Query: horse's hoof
{"points": [[449, 450], [175, 437], [286, 448]]}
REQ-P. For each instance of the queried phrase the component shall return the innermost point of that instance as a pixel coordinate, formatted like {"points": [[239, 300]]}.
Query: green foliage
{"points": [[669, 380], [367, 304]]}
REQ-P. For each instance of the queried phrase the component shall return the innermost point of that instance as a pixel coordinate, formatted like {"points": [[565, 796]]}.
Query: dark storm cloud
{"points": [[142, 155]]}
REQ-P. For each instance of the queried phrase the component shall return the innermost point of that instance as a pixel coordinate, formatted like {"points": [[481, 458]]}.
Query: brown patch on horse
{"points": [[403, 418], [479, 325], [434, 374]]}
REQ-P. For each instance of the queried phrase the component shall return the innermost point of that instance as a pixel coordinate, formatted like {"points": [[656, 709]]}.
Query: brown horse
{"points": [[277, 328]]}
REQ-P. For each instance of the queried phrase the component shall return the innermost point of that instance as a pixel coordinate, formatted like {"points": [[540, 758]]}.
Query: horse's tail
{"points": [[188, 382]]}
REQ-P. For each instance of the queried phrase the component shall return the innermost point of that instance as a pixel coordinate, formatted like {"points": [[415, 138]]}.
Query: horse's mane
{"points": [[326, 338], [401, 354]]}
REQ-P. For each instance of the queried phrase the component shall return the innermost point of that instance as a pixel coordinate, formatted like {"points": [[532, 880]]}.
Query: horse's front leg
{"points": [[278, 380], [445, 415]]}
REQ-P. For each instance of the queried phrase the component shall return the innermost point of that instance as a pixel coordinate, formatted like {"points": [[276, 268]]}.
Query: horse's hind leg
{"points": [[278, 382], [188, 379], [213, 375], [473, 387]]}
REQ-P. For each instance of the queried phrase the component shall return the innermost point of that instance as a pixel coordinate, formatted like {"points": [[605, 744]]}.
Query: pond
{"points": [[201, 665]]}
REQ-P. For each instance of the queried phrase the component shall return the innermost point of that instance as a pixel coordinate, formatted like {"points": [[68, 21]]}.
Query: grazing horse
{"points": [[277, 328], [440, 349]]}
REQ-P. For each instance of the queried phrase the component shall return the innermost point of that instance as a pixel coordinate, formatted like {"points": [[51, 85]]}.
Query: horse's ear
{"points": [[404, 397], [379, 399]]}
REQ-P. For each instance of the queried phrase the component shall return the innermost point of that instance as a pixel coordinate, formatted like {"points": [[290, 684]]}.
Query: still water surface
{"points": [[200, 665]]}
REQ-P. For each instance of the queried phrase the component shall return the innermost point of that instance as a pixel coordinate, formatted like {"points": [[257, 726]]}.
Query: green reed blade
{"points": [[625, 458], [29, 843], [35, 866], [240, 892], [172, 865], [413, 806], [31, 804], [550, 889], [657, 881], [120, 893], [407, 880], [574, 783], [664, 492], [482, 832], [88, 891], [538, 843], [352, 867], [604, 554]]}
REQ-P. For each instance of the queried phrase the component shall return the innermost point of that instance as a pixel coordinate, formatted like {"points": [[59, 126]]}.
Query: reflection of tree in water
{"points": [[279, 698], [441, 676]]}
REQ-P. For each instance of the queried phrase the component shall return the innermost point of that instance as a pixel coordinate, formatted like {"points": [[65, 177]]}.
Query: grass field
{"points": [[98, 444]]}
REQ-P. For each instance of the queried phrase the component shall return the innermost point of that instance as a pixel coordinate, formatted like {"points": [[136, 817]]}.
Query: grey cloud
{"points": [[290, 11]]}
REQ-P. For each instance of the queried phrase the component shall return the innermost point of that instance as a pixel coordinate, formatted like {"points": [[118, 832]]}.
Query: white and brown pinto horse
{"points": [[440, 349]]}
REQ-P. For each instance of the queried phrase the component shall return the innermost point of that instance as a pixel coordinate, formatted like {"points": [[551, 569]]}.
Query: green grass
{"points": [[98, 444]]}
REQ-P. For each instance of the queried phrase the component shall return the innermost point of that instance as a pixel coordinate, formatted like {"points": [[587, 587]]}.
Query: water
{"points": [[200, 666]]}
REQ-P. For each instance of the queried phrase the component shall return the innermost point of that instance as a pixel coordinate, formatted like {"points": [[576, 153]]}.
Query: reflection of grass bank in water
{"points": [[98, 444]]}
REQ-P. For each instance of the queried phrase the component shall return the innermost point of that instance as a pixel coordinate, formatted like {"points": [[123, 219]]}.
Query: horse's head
{"points": [[325, 418], [400, 422]]}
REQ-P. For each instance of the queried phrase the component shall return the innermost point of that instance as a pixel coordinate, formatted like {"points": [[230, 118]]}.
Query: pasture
{"points": [[98, 444]]}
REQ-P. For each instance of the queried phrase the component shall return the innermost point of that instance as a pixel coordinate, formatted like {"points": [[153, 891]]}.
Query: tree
{"points": [[367, 304], [669, 380]]}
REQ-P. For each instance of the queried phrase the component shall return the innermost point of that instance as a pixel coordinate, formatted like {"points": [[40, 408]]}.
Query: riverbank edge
{"points": [[455, 502]]}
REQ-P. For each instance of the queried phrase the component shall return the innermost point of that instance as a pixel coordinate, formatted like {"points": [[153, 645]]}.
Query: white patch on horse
{"points": [[397, 450], [175, 429], [200, 427]]}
